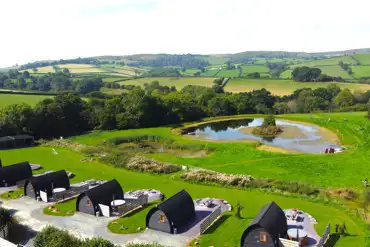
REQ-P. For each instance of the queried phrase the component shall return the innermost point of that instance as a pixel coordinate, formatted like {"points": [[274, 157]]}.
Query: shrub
{"points": [[119, 140], [267, 131], [269, 121], [5, 217], [144, 245], [117, 159], [188, 146], [246, 181], [143, 164], [217, 177], [96, 242], [53, 237]]}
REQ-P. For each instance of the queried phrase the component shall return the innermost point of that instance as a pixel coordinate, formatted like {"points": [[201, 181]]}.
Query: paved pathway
{"points": [[30, 213]]}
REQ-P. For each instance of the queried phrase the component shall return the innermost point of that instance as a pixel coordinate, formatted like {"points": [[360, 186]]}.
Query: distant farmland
{"points": [[9, 99], [334, 70], [364, 58], [283, 87], [361, 71], [328, 61], [254, 68], [179, 83]]}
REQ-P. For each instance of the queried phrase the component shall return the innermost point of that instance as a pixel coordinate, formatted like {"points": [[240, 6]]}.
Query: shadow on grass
{"points": [[219, 222], [21, 234], [333, 239]]}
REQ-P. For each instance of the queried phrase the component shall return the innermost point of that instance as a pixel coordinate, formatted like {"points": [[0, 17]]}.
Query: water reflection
{"points": [[296, 136]]}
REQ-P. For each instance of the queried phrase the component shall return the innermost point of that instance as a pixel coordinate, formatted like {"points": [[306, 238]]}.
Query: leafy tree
{"points": [[306, 74], [66, 71], [61, 83], [221, 106], [255, 75], [88, 85], [26, 74], [262, 96], [15, 119], [43, 84], [344, 98], [243, 103], [64, 115], [269, 121], [34, 70], [21, 84], [281, 107], [184, 106]]}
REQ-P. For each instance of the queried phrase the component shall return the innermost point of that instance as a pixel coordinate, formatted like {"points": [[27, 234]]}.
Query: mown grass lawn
{"points": [[67, 208], [132, 222], [14, 194], [228, 233]]}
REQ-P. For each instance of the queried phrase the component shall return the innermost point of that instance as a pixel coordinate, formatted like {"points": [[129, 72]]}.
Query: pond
{"points": [[296, 136]]}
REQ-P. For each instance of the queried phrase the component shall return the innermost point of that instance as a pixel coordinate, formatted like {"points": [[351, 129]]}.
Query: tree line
{"points": [[183, 61], [79, 60], [156, 105], [53, 82], [307, 74]]}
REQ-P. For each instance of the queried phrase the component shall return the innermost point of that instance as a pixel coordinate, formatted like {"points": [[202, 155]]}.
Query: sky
{"points": [[53, 29]]}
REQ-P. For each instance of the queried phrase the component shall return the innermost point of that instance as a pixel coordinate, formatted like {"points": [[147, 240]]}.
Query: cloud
{"points": [[44, 29]]}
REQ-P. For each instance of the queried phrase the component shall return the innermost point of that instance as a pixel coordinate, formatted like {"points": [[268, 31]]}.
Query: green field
{"points": [[334, 70], [179, 83], [361, 71], [229, 229], [190, 72], [364, 58], [42, 70], [328, 61], [254, 68], [287, 74], [228, 73], [216, 60], [131, 221], [9, 99], [210, 72], [283, 87], [244, 158]]}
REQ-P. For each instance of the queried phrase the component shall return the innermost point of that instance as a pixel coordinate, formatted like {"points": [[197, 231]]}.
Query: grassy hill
{"points": [[9, 99], [283, 87]]}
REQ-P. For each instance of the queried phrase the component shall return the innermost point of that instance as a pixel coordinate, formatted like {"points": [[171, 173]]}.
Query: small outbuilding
{"points": [[173, 214], [47, 183], [266, 228], [15, 174], [88, 201], [8, 142]]}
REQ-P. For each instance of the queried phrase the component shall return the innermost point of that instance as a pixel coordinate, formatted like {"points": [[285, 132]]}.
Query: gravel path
{"points": [[30, 213]]}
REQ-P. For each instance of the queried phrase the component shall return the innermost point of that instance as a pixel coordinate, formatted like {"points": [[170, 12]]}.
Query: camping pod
{"points": [[47, 183], [88, 201], [173, 214], [266, 228], [15, 174]]}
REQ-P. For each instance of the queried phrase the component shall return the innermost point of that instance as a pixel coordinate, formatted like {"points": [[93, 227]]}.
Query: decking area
{"points": [[301, 227]]}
